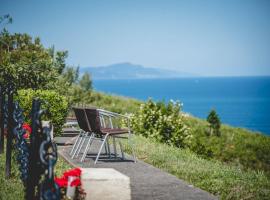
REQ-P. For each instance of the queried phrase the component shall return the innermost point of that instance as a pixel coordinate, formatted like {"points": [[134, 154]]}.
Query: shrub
{"points": [[162, 122], [214, 122], [55, 104]]}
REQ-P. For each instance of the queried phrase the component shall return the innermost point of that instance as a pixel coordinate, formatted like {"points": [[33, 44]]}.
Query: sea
{"points": [[239, 101]]}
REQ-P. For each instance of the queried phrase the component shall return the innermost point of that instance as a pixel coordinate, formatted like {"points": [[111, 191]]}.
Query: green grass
{"points": [[238, 146], [227, 182], [12, 188], [61, 166], [110, 102]]}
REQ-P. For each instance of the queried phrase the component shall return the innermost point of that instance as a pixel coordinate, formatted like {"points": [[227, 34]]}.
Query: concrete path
{"points": [[145, 181]]}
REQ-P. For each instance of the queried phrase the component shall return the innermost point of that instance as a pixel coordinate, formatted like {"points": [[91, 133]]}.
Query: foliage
{"points": [[27, 63], [85, 82], [214, 122], [12, 188], [55, 104], [227, 182], [75, 89], [70, 75], [66, 83], [162, 122], [238, 146], [60, 60]]}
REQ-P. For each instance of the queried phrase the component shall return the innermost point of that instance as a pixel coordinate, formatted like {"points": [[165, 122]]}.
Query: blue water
{"points": [[239, 101]]}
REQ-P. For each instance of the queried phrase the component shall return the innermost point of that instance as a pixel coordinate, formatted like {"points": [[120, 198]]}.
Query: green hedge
{"points": [[55, 104]]}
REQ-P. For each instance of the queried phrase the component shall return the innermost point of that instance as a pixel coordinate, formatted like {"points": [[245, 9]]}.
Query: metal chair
{"points": [[85, 132], [103, 125]]}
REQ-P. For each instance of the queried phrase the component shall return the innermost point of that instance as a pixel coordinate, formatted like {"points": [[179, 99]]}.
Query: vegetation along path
{"points": [[146, 181]]}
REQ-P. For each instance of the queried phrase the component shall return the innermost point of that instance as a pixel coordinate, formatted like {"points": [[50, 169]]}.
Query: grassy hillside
{"points": [[227, 182], [237, 146], [113, 103]]}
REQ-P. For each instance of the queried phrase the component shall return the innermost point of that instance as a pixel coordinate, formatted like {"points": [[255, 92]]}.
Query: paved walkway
{"points": [[146, 181]]}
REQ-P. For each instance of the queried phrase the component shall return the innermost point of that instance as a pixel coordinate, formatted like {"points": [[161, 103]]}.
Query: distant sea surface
{"points": [[239, 101]]}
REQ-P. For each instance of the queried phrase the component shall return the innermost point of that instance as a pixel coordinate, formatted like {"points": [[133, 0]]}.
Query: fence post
{"points": [[2, 103], [34, 161], [9, 131], [42, 158]]}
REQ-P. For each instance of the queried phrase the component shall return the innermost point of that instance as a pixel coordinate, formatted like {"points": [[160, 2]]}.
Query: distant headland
{"points": [[131, 71]]}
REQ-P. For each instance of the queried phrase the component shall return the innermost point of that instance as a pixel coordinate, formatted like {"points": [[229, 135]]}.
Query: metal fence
{"points": [[37, 157]]}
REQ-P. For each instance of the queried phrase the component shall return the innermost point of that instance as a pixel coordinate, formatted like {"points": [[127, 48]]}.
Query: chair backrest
{"points": [[82, 119], [93, 117]]}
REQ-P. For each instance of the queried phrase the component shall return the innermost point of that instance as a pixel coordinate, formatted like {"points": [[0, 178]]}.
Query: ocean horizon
{"points": [[239, 101]]}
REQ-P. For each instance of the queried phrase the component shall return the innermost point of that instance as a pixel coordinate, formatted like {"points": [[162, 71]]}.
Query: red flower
{"points": [[61, 182], [73, 172], [76, 182], [28, 130], [26, 136], [27, 127]]}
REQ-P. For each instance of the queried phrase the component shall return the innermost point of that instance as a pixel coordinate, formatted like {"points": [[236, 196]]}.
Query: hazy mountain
{"points": [[130, 71]]}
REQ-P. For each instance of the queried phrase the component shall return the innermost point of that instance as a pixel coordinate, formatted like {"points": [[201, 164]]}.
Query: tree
{"points": [[26, 63], [214, 122], [60, 61], [67, 81], [86, 82], [71, 75]]}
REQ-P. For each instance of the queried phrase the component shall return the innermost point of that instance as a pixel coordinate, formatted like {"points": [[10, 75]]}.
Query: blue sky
{"points": [[210, 38]]}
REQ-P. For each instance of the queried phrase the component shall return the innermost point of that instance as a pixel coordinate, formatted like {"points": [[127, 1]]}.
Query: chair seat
{"points": [[114, 131]]}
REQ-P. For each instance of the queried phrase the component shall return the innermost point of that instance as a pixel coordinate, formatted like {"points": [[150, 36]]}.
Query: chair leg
{"points": [[75, 144], [131, 144], [100, 149], [79, 151], [76, 149], [88, 145], [88, 135], [121, 149], [114, 147], [108, 147]]}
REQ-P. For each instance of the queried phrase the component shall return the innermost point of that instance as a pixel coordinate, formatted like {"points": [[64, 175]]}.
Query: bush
{"points": [[214, 122], [55, 104], [162, 122]]}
